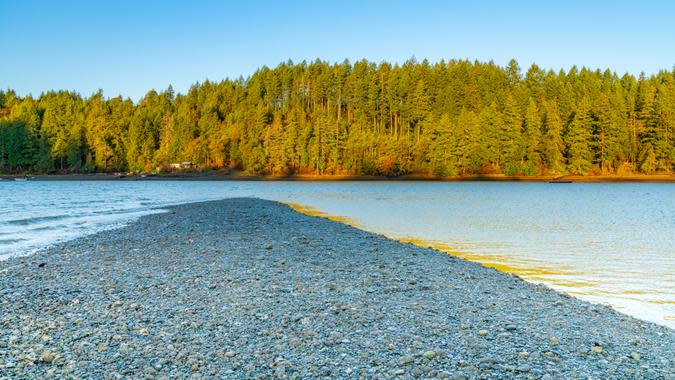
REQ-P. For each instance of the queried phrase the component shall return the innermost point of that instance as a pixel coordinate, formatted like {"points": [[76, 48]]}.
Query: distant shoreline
{"points": [[656, 178]]}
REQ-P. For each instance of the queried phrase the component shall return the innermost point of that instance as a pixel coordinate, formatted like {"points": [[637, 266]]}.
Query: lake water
{"points": [[606, 243]]}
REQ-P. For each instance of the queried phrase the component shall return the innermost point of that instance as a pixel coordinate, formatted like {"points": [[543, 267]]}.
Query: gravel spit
{"points": [[247, 288]]}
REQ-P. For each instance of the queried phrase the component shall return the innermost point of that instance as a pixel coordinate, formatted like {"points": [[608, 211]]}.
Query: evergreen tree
{"points": [[532, 134], [509, 137], [578, 140], [553, 142]]}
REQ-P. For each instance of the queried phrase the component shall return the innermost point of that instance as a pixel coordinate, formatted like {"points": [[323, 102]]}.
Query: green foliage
{"points": [[531, 140], [447, 118], [578, 140], [553, 144]]}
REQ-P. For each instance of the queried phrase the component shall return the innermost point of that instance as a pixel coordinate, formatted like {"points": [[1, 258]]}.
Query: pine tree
{"points": [[442, 147], [493, 135], [657, 152], [553, 142], [578, 140], [532, 134], [510, 136]]}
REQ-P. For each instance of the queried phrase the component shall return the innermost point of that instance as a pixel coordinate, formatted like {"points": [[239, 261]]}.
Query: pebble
{"points": [[429, 355], [405, 360], [47, 357]]}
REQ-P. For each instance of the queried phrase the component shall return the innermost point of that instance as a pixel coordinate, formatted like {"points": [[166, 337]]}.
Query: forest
{"points": [[448, 118]]}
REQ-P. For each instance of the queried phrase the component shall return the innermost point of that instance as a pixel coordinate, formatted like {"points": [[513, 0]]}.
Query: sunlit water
{"points": [[606, 243]]}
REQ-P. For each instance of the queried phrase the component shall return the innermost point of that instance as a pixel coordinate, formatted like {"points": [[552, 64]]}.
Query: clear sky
{"points": [[129, 47]]}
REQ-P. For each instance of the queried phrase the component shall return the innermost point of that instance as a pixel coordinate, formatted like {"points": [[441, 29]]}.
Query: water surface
{"points": [[606, 243]]}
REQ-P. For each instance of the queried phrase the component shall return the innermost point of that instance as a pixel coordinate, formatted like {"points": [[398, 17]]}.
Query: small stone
{"points": [[596, 349], [123, 348], [523, 354], [429, 355], [405, 360], [143, 331], [399, 372], [230, 354], [635, 355], [554, 341], [269, 246], [511, 328], [47, 357], [482, 332]]}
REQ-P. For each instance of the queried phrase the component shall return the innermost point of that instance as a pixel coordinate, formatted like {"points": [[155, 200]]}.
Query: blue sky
{"points": [[130, 47]]}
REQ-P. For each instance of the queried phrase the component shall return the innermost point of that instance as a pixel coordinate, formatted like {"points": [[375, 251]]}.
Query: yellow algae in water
{"points": [[311, 211], [506, 264]]}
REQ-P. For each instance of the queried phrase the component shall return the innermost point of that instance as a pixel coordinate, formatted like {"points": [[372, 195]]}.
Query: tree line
{"points": [[449, 118]]}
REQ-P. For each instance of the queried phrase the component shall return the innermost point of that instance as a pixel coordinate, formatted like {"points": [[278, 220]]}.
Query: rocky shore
{"points": [[247, 288]]}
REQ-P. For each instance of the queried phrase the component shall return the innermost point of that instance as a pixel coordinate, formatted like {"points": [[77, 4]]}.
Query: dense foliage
{"points": [[449, 118]]}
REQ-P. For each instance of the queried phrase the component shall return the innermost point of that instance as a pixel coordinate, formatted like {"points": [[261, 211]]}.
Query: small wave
{"points": [[11, 241], [37, 219], [120, 211], [44, 228]]}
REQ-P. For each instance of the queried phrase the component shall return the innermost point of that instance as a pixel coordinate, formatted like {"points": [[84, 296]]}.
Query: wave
{"points": [[37, 219], [11, 241]]}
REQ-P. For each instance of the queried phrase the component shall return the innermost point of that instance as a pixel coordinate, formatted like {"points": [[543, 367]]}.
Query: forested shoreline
{"points": [[441, 119]]}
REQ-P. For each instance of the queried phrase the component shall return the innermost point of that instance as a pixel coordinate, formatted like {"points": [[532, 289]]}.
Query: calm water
{"points": [[607, 243]]}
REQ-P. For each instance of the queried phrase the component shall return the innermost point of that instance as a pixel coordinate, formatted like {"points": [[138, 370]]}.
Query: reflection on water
{"points": [[606, 243]]}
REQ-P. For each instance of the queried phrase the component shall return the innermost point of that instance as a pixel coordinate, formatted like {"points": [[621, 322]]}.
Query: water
{"points": [[606, 243]]}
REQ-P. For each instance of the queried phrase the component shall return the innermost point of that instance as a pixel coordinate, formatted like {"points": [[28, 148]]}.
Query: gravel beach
{"points": [[248, 288]]}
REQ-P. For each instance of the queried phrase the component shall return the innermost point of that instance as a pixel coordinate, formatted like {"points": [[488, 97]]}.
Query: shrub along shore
{"points": [[242, 288]]}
